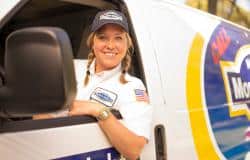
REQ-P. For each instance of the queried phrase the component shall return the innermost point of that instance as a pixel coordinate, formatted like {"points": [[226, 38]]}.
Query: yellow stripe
{"points": [[202, 140]]}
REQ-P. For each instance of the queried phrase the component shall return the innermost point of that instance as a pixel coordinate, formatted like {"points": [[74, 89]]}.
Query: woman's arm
{"points": [[41, 116], [126, 142]]}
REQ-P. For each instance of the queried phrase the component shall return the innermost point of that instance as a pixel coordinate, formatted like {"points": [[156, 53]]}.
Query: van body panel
{"points": [[172, 61], [53, 143], [194, 66]]}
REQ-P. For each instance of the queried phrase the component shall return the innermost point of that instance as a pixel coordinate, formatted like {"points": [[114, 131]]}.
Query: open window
{"points": [[73, 16]]}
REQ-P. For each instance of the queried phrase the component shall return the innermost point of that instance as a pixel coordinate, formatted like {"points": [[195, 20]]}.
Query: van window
{"points": [[75, 19]]}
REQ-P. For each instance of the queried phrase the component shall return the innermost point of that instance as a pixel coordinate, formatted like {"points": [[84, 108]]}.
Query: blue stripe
{"points": [[94, 155]]}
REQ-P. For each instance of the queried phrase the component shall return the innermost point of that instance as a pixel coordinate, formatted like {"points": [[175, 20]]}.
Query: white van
{"points": [[195, 67]]}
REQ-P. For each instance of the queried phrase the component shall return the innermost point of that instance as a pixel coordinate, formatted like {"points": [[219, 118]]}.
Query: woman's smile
{"points": [[110, 54]]}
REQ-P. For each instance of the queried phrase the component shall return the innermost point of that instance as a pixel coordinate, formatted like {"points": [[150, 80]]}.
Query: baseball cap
{"points": [[107, 17]]}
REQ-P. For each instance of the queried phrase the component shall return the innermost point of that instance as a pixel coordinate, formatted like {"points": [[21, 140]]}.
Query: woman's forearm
{"points": [[126, 142]]}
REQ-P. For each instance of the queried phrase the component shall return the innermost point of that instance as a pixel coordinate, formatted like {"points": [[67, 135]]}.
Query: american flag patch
{"points": [[141, 95]]}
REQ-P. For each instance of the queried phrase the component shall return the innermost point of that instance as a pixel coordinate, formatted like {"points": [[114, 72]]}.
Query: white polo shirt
{"points": [[130, 98]]}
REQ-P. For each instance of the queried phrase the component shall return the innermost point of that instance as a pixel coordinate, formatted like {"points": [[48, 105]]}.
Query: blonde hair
{"points": [[126, 62]]}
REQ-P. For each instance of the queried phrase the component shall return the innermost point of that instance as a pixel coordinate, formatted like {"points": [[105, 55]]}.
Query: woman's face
{"points": [[109, 46]]}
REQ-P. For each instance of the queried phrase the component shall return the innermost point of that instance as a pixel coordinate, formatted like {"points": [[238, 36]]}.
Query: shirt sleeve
{"points": [[136, 109], [80, 73]]}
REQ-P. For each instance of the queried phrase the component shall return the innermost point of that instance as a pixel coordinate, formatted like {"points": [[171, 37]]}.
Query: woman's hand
{"points": [[85, 108]]}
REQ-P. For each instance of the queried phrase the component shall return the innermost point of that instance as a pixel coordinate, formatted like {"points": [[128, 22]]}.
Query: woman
{"points": [[105, 84]]}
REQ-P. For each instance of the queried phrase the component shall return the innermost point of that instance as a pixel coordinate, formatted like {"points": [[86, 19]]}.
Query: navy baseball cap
{"points": [[109, 17]]}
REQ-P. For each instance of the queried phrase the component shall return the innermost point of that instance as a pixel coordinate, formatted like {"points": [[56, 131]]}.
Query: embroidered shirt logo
{"points": [[104, 96]]}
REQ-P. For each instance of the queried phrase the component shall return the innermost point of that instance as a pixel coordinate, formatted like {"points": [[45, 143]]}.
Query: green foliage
{"points": [[226, 9]]}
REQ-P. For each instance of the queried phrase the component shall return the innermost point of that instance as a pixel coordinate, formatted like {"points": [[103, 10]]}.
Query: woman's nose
{"points": [[110, 44]]}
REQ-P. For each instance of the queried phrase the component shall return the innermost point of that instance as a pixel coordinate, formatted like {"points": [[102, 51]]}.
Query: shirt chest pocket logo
{"points": [[106, 97]]}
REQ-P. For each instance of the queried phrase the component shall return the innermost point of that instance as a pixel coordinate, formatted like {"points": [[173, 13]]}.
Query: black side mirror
{"points": [[39, 72]]}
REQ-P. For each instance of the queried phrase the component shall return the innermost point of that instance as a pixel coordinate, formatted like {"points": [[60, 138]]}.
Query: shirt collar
{"points": [[104, 74]]}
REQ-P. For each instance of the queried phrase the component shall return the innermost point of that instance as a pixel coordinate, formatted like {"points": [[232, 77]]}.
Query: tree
{"points": [[212, 6]]}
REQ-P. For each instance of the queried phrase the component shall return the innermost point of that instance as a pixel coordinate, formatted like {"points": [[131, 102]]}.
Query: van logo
{"points": [[236, 76], [220, 45], [226, 82]]}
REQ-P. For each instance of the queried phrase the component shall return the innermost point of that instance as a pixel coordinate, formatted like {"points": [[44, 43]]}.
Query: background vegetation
{"points": [[228, 9]]}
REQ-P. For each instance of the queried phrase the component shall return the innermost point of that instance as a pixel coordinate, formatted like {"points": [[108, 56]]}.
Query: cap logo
{"points": [[111, 16]]}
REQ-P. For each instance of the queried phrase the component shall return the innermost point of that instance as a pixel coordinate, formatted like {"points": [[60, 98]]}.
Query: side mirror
{"points": [[39, 72]]}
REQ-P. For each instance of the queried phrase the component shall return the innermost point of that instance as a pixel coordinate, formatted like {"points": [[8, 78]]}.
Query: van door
{"points": [[161, 141], [76, 137]]}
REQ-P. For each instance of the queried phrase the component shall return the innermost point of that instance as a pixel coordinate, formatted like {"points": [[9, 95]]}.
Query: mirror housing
{"points": [[39, 72]]}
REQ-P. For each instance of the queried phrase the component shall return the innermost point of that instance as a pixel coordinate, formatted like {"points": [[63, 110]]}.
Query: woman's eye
{"points": [[118, 38], [102, 37]]}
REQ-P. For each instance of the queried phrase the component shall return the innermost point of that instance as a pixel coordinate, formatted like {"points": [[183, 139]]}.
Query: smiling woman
{"points": [[109, 86]]}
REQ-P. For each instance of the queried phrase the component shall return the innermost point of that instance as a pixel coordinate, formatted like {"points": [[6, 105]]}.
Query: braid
{"points": [[91, 57], [126, 62], [125, 67]]}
